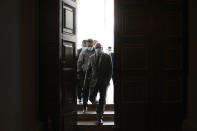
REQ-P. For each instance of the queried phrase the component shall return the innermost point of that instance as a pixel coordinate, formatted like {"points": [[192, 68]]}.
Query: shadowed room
{"points": [[155, 73]]}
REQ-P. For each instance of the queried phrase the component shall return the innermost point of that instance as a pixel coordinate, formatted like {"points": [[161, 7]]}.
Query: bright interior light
{"points": [[95, 20]]}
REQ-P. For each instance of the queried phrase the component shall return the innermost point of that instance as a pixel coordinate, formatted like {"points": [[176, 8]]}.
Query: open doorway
{"points": [[147, 73], [95, 20], [57, 58]]}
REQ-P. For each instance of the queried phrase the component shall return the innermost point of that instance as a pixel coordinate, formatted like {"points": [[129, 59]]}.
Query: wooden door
{"points": [[67, 53], [57, 66], [149, 64]]}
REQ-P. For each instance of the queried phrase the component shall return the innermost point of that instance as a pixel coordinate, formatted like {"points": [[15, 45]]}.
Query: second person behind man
{"points": [[82, 65]]}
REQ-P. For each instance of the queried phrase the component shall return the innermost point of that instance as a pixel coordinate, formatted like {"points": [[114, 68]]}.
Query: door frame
{"points": [[117, 85]]}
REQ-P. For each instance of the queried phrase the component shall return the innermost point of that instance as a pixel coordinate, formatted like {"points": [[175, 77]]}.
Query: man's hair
{"points": [[84, 42], [98, 46], [90, 41], [109, 47], [96, 41]]}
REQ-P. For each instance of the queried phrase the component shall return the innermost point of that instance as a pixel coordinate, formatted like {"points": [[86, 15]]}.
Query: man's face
{"points": [[84, 45], [89, 44], [109, 49]]}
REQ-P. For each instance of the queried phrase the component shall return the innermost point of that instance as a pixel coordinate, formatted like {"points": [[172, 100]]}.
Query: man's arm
{"points": [[87, 74], [109, 68], [80, 62], [78, 53]]}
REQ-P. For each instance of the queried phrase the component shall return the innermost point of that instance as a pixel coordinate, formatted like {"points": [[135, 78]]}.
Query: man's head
{"points": [[109, 49], [98, 48], [95, 42], [84, 43], [89, 43]]}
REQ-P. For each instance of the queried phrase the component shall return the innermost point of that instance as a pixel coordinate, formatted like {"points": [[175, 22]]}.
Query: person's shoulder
{"points": [[105, 54], [84, 51]]}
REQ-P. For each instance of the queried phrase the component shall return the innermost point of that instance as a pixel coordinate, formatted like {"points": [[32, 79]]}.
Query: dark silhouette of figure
{"points": [[81, 78], [82, 66], [97, 77]]}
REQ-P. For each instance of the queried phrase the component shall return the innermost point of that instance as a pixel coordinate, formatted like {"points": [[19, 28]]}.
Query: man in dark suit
{"points": [[98, 76], [80, 79]]}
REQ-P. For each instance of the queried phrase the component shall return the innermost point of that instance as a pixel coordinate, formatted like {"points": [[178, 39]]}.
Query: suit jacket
{"points": [[112, 57], [82, 63], [98, 70], [78, 53]]}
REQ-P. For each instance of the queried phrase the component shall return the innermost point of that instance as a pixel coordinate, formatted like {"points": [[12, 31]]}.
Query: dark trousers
{"points": [[80, 86], [85, 96], [102, 89], [79, 90]]}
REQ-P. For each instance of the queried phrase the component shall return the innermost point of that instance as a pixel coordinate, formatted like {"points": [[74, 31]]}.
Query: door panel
{"points": [[49, 80], [68, 19], [133, 64], [149, 69], [57, 66], [68, 64]]}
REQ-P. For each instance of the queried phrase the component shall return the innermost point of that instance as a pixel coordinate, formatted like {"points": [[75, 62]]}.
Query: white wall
{"points": [[96, 21]]}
